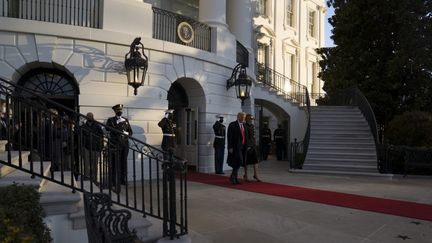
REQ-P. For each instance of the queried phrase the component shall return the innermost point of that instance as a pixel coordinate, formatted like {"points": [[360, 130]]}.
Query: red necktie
{"points": [[243, 134]]}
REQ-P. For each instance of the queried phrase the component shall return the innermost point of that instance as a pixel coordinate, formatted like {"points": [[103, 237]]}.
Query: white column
{"points": [[213, 13], [131, 17], [239, 19]]}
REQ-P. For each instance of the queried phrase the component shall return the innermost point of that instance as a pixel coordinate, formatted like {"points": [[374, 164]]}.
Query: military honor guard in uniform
{"points": [[279, 138], [265, 141], [168, 129], [219, 144], [119, 145]]}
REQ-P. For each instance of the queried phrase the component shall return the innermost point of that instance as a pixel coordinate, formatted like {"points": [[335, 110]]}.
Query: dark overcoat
{"points": [[251, 155], [236, 158]]}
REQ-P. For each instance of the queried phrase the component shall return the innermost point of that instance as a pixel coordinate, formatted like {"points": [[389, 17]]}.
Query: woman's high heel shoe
{"points": [[256, 178]]}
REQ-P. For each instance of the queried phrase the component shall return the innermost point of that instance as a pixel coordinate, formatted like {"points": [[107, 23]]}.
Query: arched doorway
{"points": [[273, 115], [186, 97], [53, 84]]}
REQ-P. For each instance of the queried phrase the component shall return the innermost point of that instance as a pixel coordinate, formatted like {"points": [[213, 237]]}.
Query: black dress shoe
{"points": [[237, 181], [232, 180]]}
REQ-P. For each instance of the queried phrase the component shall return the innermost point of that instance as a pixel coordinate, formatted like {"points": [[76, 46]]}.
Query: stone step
{"points": [[59, 199], [15, 155], [341, 144], [346, 168], [345, 173], [319, 116], [334, 107], [3, 145], [337, 149], [340, 129], [335, 111], [348, 123], [327, 160], [25, 178]]}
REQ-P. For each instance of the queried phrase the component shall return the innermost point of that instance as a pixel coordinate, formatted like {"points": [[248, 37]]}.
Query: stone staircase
{"points": [[340, 142], [64, 210]]}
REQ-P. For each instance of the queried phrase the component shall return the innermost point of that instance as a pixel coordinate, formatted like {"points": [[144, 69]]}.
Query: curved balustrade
{"points": [[85, 13], [157, 180], [281, 84]]}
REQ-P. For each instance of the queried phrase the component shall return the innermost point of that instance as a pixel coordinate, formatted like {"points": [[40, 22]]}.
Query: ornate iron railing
{"points": [[287, 87], [85, 13], [298, 150], [176, 28], [87, 160]]}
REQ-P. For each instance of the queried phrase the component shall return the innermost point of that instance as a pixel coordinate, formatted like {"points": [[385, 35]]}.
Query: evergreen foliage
{"points": [[21, 216], [383, 47], [412, 129]]}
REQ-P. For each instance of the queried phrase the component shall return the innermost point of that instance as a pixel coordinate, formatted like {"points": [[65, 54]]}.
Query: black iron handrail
{"points": [[352, 96], [298, 149], [54, 133], [276, 81], [71, 12], [165, 27]]}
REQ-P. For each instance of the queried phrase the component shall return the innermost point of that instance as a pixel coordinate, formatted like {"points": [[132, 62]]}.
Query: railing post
{"points": [[169, 197], [172, 196]]}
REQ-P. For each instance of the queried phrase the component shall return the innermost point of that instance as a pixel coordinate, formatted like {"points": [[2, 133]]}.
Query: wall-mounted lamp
{"points": [[241, 80], [136, 64]]}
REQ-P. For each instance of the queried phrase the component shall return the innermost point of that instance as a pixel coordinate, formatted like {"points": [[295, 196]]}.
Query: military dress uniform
{"points": [[168, 130], [219, 144], [279, 138], [265, 142], [119, 145]]}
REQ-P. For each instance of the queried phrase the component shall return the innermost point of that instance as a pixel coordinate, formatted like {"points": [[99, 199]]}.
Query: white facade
{"points": [[292, 30], [94, 58]]}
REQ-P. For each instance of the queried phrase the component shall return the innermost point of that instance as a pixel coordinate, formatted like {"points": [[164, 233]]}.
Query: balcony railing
{"points": [[166, 27], [85, 13], [281, 84]]}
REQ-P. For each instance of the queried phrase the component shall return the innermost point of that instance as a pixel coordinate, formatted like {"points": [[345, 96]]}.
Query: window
{"points": [[311, 28], [262, 7], [263, 54], [289, 66], [289, 12]]}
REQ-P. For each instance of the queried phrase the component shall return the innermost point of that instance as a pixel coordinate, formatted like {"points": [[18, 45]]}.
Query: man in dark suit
{"points": [[237, 144], [219, 144], [119, 144]]}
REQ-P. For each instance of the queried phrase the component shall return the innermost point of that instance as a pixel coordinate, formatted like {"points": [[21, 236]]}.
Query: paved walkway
{"points": [[223, 215]]}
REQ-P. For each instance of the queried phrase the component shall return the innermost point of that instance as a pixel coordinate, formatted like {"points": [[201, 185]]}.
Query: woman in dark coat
{"points": [[251, 154]]}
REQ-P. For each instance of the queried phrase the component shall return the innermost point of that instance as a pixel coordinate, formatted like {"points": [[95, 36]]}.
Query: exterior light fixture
{"points": [[241, 80], [136, 64]]}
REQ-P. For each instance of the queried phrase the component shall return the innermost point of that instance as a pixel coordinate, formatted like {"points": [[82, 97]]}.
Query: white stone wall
{"points": [[292, 40], [95, 58]]}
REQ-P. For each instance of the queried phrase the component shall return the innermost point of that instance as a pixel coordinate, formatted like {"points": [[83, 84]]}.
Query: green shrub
{"points": [[21, 216], [412, 129]]}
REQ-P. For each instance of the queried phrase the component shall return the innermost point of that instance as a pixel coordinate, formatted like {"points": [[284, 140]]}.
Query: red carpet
{"points": [[373, 204]]}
